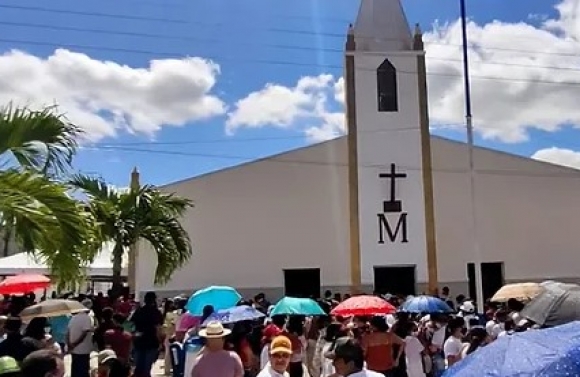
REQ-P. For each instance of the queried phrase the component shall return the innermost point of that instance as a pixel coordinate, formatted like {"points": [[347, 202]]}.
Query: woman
{"points": [[478, 337], [295, 332], [414, 351], [454, 344], [378, 346]]}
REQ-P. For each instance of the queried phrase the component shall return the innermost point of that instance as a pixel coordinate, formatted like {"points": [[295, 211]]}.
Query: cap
{"points": [[8, 365], [347, 349], [281, 344], [106, 355], [270, 332]]}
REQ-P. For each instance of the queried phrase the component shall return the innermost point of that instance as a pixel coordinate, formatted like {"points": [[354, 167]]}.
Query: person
{"points": [[214, 360], [280, 352], [9, 367], [104, 358], [118, 339], [43, 363], [454, 344], [348, 359], [80, 341], [414, 350], [12, 345], [148, 333]]}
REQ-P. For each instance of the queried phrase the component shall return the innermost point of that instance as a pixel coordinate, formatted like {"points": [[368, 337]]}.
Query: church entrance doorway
{"points": [[397, 280], [492, 276], [302, 282]]}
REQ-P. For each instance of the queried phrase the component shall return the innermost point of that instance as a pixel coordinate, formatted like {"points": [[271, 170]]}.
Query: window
{"points": [[387, 87]]}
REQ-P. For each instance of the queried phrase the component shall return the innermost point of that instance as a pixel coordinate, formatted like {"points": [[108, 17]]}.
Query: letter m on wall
{"points": [[385, 229]]}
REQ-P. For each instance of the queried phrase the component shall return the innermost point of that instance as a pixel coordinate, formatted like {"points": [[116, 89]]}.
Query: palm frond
{"points": [[47, 220], [42, 140]]}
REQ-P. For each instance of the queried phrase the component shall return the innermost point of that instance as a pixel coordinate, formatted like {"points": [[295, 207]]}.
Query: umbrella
{"points": [[220, 297], [296, 306], [52, 308], [518, 291], [559, 303], [363, 305], [425, 304], [553, 352], [23, 284], [235, 314]]}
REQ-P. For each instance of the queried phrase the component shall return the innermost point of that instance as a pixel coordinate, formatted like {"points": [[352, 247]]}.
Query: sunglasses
{"points": [[280, 356]]}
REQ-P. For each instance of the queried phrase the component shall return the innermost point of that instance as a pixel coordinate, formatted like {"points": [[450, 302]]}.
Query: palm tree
{"points": [[126, 217], [37, 147]]}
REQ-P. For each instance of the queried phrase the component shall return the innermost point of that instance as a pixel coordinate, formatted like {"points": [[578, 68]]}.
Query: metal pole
{"points": [[472, 174]]}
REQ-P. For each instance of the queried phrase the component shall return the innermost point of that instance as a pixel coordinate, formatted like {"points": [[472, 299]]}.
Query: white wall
{"points": [[526, 214], [385, 138], [251, 222]]}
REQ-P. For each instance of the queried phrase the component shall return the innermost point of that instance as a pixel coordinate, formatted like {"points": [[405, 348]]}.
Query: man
{"points": [[147, 320], [43, 363], [348, 359], [280, 352], [13, 345], [80, 341], [214, 360]]}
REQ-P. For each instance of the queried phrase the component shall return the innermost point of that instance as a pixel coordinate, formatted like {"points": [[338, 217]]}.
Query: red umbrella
{"points": [[23, 284], [363, 305]]}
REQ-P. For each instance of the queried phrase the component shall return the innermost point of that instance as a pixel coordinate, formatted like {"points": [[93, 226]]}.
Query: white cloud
{"points": [[537, 66], [533, 81], [105, 97], [559, 156], [284, 107]]}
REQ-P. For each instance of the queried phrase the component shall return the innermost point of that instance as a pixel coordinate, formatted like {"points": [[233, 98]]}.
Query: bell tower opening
{"points": [[387, 94]]}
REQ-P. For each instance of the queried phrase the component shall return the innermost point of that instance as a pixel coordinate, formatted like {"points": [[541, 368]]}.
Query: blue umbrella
{"points": [[235, 314], [553, 352], [297, 306], [219, 297], [425, 304]]}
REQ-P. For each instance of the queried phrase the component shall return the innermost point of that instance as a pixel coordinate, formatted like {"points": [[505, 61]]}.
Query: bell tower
{"points": [[390, 175]]}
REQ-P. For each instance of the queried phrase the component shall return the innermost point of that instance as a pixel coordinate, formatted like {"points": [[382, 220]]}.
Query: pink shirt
{"points": [[218, 364]]}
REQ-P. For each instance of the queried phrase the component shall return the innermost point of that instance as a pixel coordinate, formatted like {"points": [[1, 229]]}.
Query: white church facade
{"points": [[387, 207]]}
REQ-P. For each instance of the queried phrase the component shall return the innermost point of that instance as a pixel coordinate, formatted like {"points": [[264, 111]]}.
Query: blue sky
{"points": [[254, 43]]}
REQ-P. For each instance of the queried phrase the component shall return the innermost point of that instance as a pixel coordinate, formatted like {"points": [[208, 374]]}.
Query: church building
{"points": [[387, 208]]}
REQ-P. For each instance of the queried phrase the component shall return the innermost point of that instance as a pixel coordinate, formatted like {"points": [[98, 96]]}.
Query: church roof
{"points": [[381, 26]]}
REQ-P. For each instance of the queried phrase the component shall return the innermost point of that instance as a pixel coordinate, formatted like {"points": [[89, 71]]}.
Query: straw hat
{"points": [[214, 330]]}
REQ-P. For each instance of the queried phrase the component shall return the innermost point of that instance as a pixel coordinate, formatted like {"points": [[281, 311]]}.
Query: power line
{"points": [[277, 46], [275, 62], [280, 159], [279, 30]]}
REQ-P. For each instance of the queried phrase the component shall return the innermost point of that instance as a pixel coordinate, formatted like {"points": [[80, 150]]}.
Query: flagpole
{"points": [[469, 130]]}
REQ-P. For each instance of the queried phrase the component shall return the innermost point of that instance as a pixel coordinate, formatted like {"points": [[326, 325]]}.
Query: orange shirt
{"points": [[378, 351]]}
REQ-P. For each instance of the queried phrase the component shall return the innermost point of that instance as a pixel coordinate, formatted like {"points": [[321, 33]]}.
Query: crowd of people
{"points": [[126, 338]]}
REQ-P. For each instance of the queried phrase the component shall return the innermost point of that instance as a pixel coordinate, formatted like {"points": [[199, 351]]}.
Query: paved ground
{"points": [[157, 372]]}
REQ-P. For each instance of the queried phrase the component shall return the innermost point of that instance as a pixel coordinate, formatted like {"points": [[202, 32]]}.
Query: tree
{"points": [[36, 148], [126, 217]]}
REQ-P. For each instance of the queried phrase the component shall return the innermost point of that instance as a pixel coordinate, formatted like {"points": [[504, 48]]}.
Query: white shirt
{"points": [[438, 338], [366, 373], [267, 371], [76, 327], [452, 347], [414, 358], [265, 356]]}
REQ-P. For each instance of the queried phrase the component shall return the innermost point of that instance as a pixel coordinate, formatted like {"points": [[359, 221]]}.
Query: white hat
{"points": [[467, 307], [214, 329], [105, 355]]}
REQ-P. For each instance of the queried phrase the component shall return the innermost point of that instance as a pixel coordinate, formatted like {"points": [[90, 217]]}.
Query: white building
{"points": [[323, 216]]}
